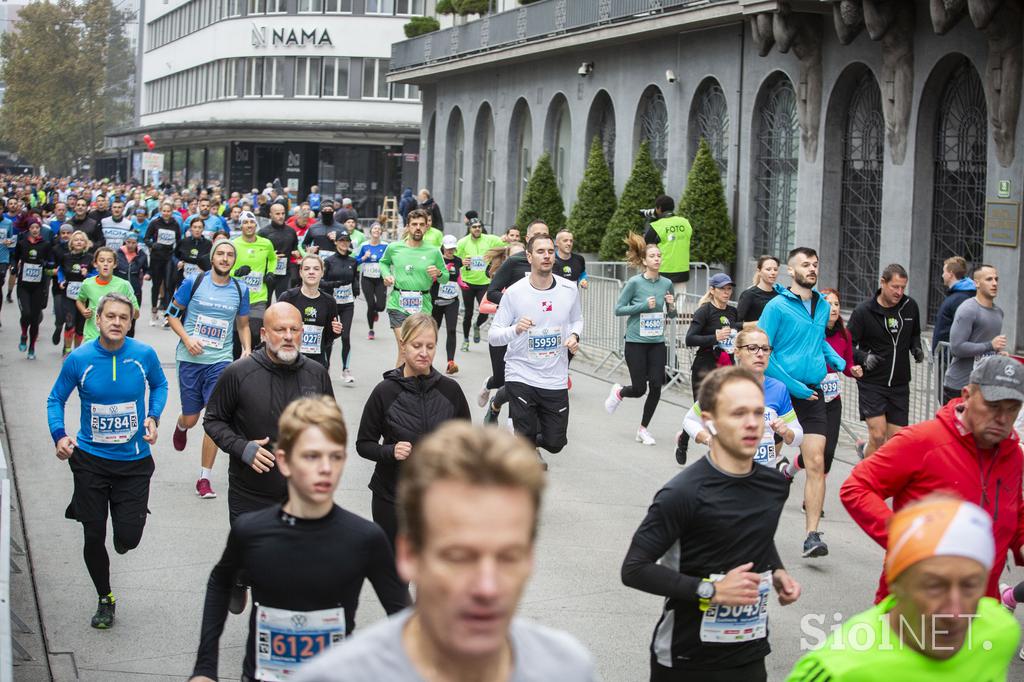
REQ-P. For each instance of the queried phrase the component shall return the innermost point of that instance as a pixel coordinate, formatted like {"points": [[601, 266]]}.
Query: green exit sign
{"points": [[1004, 189]]}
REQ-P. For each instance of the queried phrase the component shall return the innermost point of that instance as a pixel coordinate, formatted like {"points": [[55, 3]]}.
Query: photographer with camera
{"points": [[672, 234]]}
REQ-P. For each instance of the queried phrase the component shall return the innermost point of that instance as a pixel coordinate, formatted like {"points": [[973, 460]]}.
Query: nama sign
{"points": [[290, 37]]}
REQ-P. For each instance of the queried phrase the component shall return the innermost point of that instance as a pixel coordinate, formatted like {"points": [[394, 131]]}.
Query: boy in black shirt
{"points": [[713, 528]]}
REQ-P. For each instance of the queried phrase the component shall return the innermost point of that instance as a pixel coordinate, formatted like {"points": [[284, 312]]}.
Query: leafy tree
{"points": [[703, 204], [642, 188], [59, 120], [595, 201], [465, 7], [445, 7], [418, 26], [542, 201]]}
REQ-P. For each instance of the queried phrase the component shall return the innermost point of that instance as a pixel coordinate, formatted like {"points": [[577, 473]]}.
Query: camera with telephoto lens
{"points": [[647, 213]]}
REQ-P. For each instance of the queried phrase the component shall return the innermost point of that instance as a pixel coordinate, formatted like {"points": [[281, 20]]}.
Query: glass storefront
{"points": [[196, 164], [364, 174], [215, 158]]}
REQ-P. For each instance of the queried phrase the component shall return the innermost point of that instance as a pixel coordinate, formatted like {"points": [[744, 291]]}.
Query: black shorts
{"points": [[122, 486], [892, 402], [540, 415], [811, 414]]}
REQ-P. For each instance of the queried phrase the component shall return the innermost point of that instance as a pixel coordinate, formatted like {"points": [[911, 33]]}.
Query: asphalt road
{"points": [[600, 486]]}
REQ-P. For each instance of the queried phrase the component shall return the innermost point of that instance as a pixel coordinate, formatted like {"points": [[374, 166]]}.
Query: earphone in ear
{"points": [[710, 426]]}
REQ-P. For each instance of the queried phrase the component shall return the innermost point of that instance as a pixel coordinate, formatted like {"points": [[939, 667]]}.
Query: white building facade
{"points": [[238, 93]]}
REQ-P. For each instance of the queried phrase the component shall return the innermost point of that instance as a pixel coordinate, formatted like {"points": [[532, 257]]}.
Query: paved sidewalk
{"points": [[600, 486]]}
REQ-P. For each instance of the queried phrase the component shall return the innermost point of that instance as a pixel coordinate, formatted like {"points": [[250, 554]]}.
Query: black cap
{"points": [[471, 215], [343, 234]]}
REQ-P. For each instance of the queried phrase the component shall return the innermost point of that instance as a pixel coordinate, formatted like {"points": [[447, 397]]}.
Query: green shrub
{"points": [[703, 204], [418, 26], [642, 188], [595, 201], [542, 201]]}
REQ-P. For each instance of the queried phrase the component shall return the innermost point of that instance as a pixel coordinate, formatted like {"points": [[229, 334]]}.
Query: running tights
{"points": [[345, 313], [497, 379], [161, 276], [31, 301], [126, 537], [386, 516], [469, 294], [450, 314], [646, 362], [376, 297]]}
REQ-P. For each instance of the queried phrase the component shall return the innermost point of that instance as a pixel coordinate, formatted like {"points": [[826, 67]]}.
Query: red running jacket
{"points": [[940, 456]]}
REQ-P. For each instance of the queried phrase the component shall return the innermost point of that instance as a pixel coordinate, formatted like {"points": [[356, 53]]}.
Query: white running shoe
{"points": [[644, 436], [346, 376], [611, 403], [484, 396]]}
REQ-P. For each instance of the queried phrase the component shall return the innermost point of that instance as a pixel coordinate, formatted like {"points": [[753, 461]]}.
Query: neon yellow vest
{"points": [[675, 233]]}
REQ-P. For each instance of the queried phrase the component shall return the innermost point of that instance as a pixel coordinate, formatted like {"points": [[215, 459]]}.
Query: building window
{"points": [[457, 149], [338, 6], [254, 77], [561, 146], [311, 6], [375, 84], [257, 6], [410, 7], [307, 77], [273, 77], [406, 92], [233, 8], [860, 208], [960, 174], [778, 148], [380, 6], [653, 127], [523, 143], [335, 78], [277, 6], [711, 123]]}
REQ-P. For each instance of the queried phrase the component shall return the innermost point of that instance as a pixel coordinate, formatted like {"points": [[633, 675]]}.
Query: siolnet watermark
{"points": [[937, 632]]}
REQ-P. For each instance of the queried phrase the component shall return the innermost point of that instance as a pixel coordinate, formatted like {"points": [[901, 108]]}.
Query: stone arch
{"points": [[651, 124], [776, 165], [558, 140], [484, 156], [601, 124], [520, 157], [709, 119], [455, 145], [952, 148]]}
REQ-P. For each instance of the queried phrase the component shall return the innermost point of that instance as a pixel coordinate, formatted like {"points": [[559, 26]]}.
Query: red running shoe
{"points": [[179, 439], [204, 489]]}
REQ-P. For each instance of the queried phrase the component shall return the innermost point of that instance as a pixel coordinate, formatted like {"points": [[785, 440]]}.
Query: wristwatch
{"points": [[705, 593]]}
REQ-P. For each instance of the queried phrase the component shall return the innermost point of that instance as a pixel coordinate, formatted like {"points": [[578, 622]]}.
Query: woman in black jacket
{"points": [[411, 401]]}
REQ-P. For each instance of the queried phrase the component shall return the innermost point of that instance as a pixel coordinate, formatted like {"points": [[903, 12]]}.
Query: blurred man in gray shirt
{"points": [[976, 332]]}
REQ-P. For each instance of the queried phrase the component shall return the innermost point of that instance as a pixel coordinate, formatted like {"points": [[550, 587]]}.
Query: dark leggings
{"points": [[697, 374], [386, 516], [73, 320], [31, 301], [345, 314], [126, 537], [497, 379], [833, 418], [646, 362], [450, 313], [472, 292], [160, 275], [376, 297]]}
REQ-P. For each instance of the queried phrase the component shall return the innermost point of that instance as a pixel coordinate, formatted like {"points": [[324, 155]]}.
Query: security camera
{"points": [[586, 68], [670, 75]]}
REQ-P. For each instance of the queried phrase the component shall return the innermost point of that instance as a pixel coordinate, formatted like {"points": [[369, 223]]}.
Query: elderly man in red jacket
{"points": [[970, 450]]}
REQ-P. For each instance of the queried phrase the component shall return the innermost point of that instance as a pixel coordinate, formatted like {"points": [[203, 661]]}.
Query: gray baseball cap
{"points": [[1000, 378]]}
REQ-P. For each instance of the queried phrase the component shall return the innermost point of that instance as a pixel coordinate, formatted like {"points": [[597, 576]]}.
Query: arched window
{"points": [[776, 169], [520, 161], [456, 162], [561, 143], [652, 125], [485, 155], [601, 124], [961, 162], [710, 121], [860, 212], [428, 158]]}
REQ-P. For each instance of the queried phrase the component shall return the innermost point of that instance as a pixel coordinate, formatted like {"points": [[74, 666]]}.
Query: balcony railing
{"points": [[523, 24]]}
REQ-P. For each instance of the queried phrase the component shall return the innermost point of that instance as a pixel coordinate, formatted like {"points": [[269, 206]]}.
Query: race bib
{"points": [[287, 639], [211, 331], [312, 336], [730, 624], [410, 301], [31, 272], [114, 424], [371, 270], [343, 294], [448, 290], [165, 237], [477, 263], [652, 324], [766, 452], [830, 386], [729, 344], [72, 289], [254, 281], [191, 270], [282, 265], [544, 343]]}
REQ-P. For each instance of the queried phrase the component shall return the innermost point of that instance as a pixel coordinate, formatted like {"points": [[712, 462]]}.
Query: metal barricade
{"points": [[604, 332]]}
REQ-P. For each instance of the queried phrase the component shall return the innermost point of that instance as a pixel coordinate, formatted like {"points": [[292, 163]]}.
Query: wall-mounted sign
{"points": [[1003, 191], [152, 161], [1002, 223], [290, 37]]}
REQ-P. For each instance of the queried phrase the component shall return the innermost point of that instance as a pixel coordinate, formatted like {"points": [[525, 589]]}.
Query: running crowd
{"points": [[455, 508]]}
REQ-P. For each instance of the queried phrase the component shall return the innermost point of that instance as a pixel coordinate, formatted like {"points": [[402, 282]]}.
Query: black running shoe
{"points": [[814, 546], [56, 335], [104, 618], [680, 450]]}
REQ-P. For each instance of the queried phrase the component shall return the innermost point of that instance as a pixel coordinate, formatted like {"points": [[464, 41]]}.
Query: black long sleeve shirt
{"points": [[298, 565]]}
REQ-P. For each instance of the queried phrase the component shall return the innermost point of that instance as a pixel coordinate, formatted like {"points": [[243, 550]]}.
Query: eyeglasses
{"points": [[753, 348]]}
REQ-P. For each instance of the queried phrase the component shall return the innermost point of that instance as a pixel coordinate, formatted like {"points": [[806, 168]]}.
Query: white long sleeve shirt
{"points": [[538, 356]]}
